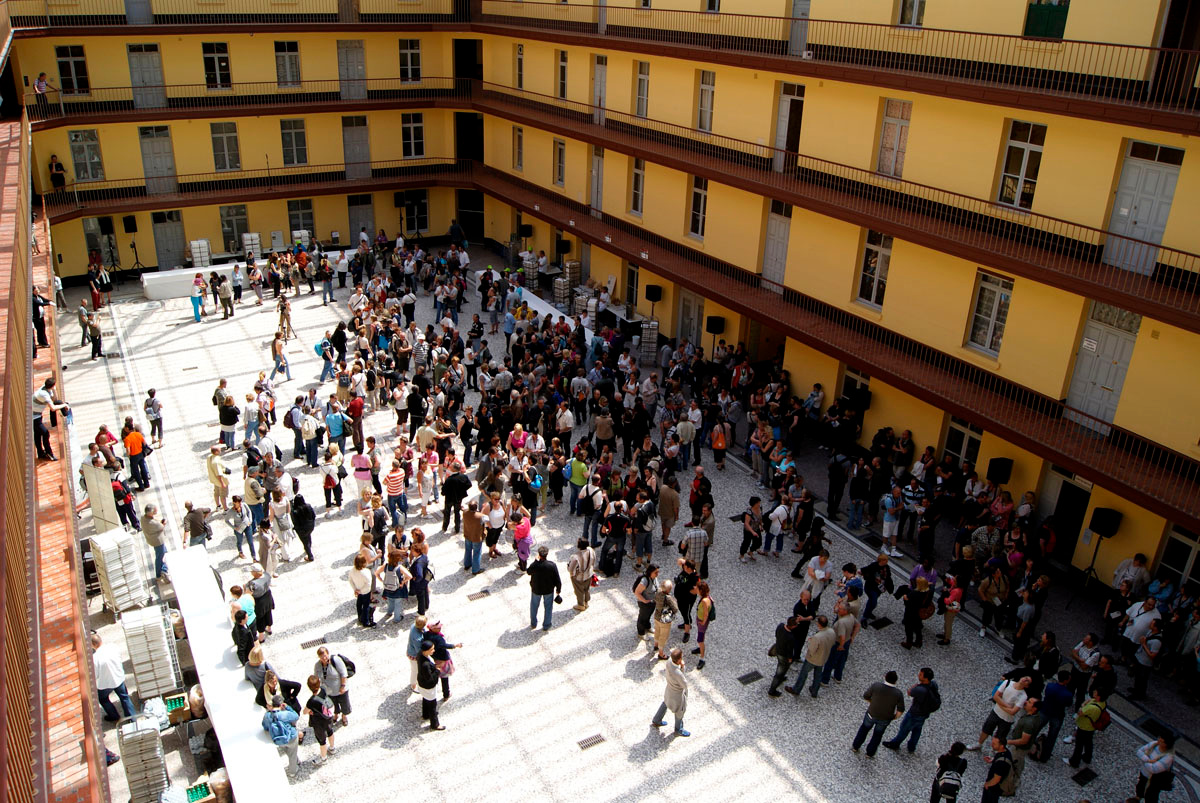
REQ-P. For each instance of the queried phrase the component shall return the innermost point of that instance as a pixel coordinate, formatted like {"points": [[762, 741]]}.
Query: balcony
{"points": [[90, 13], [1146, 472], [1086, 79]]}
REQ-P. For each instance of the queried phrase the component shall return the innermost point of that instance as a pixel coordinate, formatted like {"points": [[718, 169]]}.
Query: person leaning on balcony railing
{"points": [[58, 173], [41, 87]]}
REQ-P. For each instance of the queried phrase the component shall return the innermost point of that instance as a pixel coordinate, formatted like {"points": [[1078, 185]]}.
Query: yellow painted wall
{"points": [[1140, 531], [1161, 395], [1027, 467], [894, 408], [808, 366]]}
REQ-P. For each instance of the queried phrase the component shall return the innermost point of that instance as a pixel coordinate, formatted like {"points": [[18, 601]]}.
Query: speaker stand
{"points": [[1089, 574], [137, 263]]}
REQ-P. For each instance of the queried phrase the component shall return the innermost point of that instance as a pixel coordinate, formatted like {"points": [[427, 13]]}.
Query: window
{"points": [[226, 155], [641, 89], [561, 83], [704, 100], [216, 65], [416, 210], [854, 383], [1046, 19], [962, 440], [1022, 159], [518, 148], [412, 135], [1180, 561], [644, 3], [992, 297], [94, 240], [912, 12], [637, 186], [85, 153], [233, 225], [1155, 153], [300, 216], [699, 208], [410, 60], [632, 282], [893, 139], [295, 142], [712, 6], [519, 65], [877, 255], [560, 162], [72, 70], [287, 64]]}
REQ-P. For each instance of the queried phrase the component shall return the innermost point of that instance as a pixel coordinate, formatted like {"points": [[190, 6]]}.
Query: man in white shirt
{"points": [[1008, 701], [399, 241], [358, 300], [110, 677], [364, 239]]}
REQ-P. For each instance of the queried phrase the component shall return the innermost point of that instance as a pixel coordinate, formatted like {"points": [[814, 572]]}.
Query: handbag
{"points": [[771, 651], [341, 472], [445, 668]]}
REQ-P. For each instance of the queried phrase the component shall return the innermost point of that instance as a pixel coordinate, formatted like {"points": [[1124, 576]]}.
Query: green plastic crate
{"points": [[198, 792]]}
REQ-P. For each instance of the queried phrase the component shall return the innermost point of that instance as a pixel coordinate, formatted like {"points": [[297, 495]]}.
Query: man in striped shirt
{"points": [[397, 500]]}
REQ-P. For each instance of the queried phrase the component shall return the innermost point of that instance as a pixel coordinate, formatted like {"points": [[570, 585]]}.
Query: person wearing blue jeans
{"points": [[243, 526], [152, 530], [925, 698], [544, 586], [110, 677], [592, 508], [473, 532], [675, 697], [845, 628], [820, 644], [885, 703], [281, 364]]}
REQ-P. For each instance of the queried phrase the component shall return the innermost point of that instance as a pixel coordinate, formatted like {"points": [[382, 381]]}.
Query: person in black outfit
{"points": [[454, 491], [788, 648], [427, 680], [839, 474], [304, 520], [947, 780], [805, 610], [916, 598], [243, 637], [998, 770]]}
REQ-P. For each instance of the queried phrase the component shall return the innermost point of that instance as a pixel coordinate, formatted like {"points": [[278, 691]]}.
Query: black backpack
{"points": [[637, 581], [350, 668], [933, 700]]}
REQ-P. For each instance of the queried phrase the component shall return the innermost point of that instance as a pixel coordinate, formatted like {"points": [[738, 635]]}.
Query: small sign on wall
{"points": [[1089, 344]]}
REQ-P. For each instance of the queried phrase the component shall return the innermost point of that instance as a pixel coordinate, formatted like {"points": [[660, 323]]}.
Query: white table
{"points": [[178, 283], [255, 765]]}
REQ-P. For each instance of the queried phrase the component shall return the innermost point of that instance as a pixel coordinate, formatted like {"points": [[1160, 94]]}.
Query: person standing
{"points": [[319, 709], [427, 682], [1155, 774], [545, 585], [360, 583], [110, 677], [786, 650], [1148, 648], [947, 779], [665, 608], [218, 477], [581, 567], [706, 614], [43, 400], [473, 533], [845, 629], [892, 504], [1086, 720], [259, 587], [819, 648], [885, 703], [195, 525], [153, 408], [153, 530], [998, 771], [644, 590], [1021, 740], [331, 670], [675, 696], [1008, 700], [416, 635], [925, 700]]}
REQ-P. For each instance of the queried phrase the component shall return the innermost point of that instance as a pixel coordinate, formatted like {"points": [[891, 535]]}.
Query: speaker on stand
{"points": [[714, 325], [1104, 525], [999, 470], [653, 295]]}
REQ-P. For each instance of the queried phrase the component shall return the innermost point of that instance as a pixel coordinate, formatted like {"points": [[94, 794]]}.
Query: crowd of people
{"points": [[565, 415]]}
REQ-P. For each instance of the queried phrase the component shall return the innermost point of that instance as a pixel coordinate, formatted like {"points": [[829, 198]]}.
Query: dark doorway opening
{"points": [[468, 63], [468, 135], [469, 211], [1175, 70]]}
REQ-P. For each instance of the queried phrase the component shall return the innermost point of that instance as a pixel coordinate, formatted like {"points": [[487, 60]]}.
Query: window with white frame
{"points": [[854, 382], [704, 99], [234, 223], [962, 440], [1022, 160], [637, 186], [85, 154], [412, 135], [1180, 559], [643, 3], [518, 155], [641, 90], [300, 215], [560, 162], [295, 143], [416, 210], [226, 154], [72, 70], [560, 84], [410, 60], [912, 12], [712, 6], [699, 206], [632, 283], [993, 294], [217, 72], [287, 64], [519, 65], [877, 255], [893, 137]]}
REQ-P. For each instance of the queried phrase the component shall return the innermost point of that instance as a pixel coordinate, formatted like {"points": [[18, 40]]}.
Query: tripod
{"points": [[1089, 574], [137, 263]]}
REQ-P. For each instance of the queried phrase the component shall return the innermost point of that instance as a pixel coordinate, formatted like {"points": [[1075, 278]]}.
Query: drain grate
{"points": [[591, 741], [308, 645], [1154, 727], [880, 623], [117, 379], [478, 595], [750, 677], [1084, 776], [107, 332], [872, 540], [192, 368]]}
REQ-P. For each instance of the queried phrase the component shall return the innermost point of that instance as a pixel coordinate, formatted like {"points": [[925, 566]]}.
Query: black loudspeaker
{"points": [[654, 293], [398, 199], [130, 224], [525, 230], [714, 325], [1105, 522], [999, 470], [563, 246], [862, 400], [106, 225]]}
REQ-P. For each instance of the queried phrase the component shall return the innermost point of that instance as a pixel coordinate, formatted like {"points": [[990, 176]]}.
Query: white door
{"points": [[158, 159], [146, 76], [170, 243], [787, 127], [361, 213], [1101, 363], [798, 36], [691, 317], [1141, 208], [356, 147], [599, 79], [774, 263], [597, 181], [352, 69], [138, 12]]}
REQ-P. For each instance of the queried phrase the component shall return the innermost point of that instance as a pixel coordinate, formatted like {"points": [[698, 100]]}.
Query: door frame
{"points": [[1053, 480], [352, 88]]}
